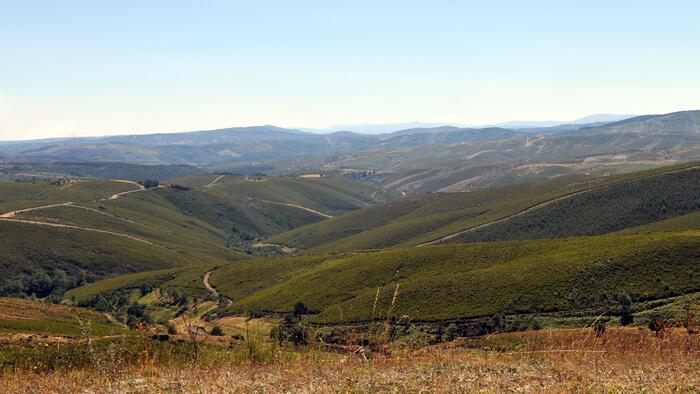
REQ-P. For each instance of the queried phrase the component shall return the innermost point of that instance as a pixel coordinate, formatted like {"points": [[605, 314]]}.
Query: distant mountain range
{"points": [[386, 128], [674, 136]]}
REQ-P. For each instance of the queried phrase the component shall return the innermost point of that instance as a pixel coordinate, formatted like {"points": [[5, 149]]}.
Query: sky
{"points": [[75, 68]]}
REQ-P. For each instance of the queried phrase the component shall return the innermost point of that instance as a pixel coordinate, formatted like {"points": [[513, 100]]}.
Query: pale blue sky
{"points": [[98, 67]]}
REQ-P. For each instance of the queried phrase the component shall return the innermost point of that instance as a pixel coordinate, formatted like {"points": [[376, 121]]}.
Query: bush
{"points": [[172, 330], [451, 332], [626, 316], [149, 183], [414, 337], [300, 309], [291, 331], [217, 331]]}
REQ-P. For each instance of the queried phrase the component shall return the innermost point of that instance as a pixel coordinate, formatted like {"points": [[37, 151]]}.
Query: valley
{"points": [[348, 258]]}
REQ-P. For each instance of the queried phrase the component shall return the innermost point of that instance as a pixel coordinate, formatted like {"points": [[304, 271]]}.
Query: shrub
{"points": [[150, 183], [217, 331], [172, 330], [626, 317], [300, 309], [451, 332]]}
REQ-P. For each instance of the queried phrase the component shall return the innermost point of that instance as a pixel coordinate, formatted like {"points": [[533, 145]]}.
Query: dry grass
{"points": [[622, 360]]}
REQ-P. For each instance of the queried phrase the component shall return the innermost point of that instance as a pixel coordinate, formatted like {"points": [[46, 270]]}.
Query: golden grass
{"points": [[557, 361]]}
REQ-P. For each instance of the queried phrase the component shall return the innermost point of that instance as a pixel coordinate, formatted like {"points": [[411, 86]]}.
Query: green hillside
{"points": [[412, 218], [655, 258], [566, 206], [19, 195], [466, 281], [602, 210], [250, 208], [97, 231], [29, 265]]}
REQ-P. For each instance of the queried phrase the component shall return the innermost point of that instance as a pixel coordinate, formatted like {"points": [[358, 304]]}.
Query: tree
{"points": [[150, 183], [300, 309], [626, 317]]}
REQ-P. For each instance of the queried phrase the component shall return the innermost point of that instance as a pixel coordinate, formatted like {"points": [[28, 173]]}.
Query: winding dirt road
{"points": [[70, 226], [212, 290], [208, 285], [10, 216], [139, 186], [325, 215]]}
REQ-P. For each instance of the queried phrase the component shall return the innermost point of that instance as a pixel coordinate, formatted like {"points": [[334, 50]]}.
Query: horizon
{"points": [[85, 69], [333, 128]]}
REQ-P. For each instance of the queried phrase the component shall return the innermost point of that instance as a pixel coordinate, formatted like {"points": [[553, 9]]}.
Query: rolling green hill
{"points": [[601, 210], [654, 259], [566, 206], [468, 281], [99, 229], [29, 265]]}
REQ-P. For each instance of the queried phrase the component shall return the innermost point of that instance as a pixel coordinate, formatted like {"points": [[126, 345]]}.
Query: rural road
{"points": [[212, 183], [12, 214], [299, 207], [212, 290], [70, 226], [9, 216], [209, 287], [117, 195]]}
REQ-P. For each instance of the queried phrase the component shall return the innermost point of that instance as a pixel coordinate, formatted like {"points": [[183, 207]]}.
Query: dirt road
{"points": [[212, 183], [9, 216], [325, 215], [212, 290], [70, 226], [117, 195]]}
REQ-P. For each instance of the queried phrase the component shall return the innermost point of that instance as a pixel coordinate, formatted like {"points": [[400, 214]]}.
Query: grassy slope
{"points": [[196, 224], [421, 219], [15, 195], [416, 219], [462, 281], [21, 316], [603, 210], [248, 208], [26, 247], [689, 221], [150, 216], [328, 195], [243, 278]]}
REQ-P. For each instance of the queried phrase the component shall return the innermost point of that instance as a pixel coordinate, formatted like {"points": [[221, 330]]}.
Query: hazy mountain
{"points": [[600, 118], [382, 128], [648, 137], [676, 122]]}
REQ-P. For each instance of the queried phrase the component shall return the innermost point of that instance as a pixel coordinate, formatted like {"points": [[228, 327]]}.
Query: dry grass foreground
{"points": [[557, 361]]}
